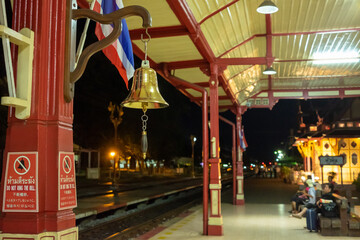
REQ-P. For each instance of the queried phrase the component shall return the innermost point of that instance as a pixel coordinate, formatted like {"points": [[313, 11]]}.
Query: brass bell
{"points": [[144, 92]]}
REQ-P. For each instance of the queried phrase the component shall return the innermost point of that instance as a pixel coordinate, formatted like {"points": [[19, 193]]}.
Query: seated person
{"points": [[312, 199], [332, 181], [300, 198], [328, 195]]}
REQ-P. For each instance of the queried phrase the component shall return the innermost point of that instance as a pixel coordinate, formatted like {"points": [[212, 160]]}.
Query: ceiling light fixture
{"points": [[267, 7], [269, 71]]}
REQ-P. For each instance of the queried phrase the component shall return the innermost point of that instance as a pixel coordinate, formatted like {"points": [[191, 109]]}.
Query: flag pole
{"points": [[83, 35]]}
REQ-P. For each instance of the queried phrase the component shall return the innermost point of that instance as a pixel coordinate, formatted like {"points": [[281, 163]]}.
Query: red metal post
{"points": [[179, 82], [44, 138], [233, 155], [240, 199], [215, 219]]}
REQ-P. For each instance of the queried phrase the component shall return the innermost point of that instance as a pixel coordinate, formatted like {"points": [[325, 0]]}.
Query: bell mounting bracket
{"points": [[74, 71]]}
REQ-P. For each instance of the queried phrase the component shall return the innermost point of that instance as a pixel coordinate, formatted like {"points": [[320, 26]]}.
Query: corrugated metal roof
{"points": [[191, 34]]}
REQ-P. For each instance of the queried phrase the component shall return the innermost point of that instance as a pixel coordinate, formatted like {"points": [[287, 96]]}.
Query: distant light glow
{"points": [[336, 57], [244, 167]]}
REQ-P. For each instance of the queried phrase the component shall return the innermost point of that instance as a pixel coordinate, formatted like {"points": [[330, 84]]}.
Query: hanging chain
{"points": [[146, 42], [144, 119]]}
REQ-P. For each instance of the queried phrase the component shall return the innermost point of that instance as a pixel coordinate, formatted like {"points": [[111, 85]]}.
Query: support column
{"points": [[215, 226], [38, 155], [240, 199]]}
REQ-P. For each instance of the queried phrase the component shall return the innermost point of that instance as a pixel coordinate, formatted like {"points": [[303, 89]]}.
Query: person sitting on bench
{"points": [[300, 198], [328, 195], [312, 199]]}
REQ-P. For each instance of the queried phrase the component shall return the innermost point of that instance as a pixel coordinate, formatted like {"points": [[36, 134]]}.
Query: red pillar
{"points": [[240, 200], [46, 138], [215, 226]]}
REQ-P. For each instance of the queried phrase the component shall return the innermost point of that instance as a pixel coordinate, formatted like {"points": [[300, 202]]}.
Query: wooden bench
{"points": [[354, 226], [337, 226]]}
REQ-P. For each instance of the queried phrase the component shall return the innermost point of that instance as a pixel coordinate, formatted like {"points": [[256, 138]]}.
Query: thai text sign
{"points": [[331, 160], [21, 183], [66, 181]]}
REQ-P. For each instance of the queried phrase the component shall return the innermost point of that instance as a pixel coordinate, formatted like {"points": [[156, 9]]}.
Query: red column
{"points": [[215, 226], [46, 137], [240, 200]]}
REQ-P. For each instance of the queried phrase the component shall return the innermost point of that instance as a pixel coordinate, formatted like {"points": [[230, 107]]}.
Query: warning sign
{"points": [[67, 184], [21, 182]]}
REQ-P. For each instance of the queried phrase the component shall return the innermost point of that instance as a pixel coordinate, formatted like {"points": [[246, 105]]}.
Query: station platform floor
{"points": [[264, 216]]}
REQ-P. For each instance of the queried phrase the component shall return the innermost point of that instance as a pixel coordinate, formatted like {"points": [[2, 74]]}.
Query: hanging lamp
{"points": [[267, 7], [269, 71]]}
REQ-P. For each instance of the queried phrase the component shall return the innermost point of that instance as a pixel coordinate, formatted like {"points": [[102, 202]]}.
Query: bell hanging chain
{"points": [[144, 141], [146, 42], [144, 119]]}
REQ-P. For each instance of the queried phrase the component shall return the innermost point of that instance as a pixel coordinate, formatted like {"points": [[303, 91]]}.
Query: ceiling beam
{"points": [[310, 60], [288, 34], [305, 93], [220, 98], [159, 32], [317, 32], [184, 14], [217, 11], [312, 77], [232, 61], [222, 61], [243, 61], [188, 64], [240, 44]]}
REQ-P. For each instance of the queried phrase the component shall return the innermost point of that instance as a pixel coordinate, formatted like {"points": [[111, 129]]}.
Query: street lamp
{"points": [[193, 140], [112, 154]]}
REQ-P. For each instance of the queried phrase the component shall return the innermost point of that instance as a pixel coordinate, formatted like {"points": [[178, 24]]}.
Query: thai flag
{"points": [[243, 143], [120, 53]]}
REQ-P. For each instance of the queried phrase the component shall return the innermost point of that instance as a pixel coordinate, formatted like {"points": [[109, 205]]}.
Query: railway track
{"points": [[136, 220]]}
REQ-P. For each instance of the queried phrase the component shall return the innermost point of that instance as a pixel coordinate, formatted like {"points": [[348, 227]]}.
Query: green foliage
{"points": [[285, 171]]}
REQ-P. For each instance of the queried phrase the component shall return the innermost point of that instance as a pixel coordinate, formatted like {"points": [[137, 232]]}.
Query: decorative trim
{"points": [[239, 196], [216, 221], [70, 233], [215, 186]]}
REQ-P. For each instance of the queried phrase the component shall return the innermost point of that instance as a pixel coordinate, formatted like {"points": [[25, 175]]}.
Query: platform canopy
{"points": [[188, 35]]}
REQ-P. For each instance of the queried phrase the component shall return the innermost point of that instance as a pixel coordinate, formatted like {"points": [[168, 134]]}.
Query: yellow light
{"points": [[112, 154]]}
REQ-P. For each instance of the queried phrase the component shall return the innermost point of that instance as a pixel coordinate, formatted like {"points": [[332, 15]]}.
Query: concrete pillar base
{"points": [[68, 234], [240, 202], [215, 230]]}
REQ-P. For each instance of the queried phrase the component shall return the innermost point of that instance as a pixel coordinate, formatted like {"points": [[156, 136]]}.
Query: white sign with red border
{"points": [[66, 181], [21, 192]]}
